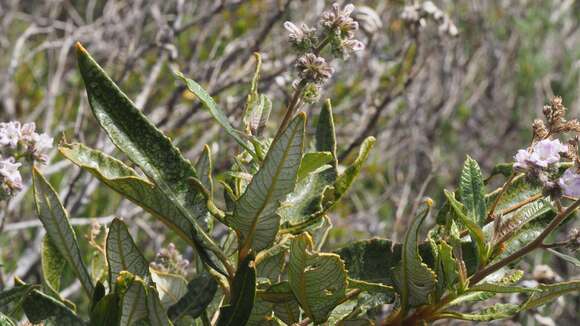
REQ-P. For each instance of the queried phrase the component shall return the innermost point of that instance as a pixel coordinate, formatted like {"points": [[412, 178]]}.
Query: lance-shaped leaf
{"points": [[124, 180], [243, 293], [6, 321], [200, 292], [155, 312], [446, 268], [500, 288], [217, 113], [318, 280], [572, 260], [55, 220], [497, 311], [346, 179], [53, 264], [315, 161], [15, 294], [255, 215], [414, 279], [123, 254], [303, 208], [472, 191], [549, 292], [146, 146], [39, 307]]}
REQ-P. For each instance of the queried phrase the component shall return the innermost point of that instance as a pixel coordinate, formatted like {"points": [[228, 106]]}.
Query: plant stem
{"points": [[291, 107], [536, 243], [498, 198]]}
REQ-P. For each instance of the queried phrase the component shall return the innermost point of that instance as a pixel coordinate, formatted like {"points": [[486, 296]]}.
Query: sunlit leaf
{"points": [[495, 312], [472, 191], [123, 254]]}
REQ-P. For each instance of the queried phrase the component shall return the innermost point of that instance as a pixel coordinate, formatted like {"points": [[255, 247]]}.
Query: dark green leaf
{"points": [[39, 307], [200, 292], [243, 293], [472, 191], [107, 311]]}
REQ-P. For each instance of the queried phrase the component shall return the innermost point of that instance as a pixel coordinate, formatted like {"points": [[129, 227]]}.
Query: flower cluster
{"points": [[169, 260], [19, 141], [416, 15], [337, 31], [540, 161]]}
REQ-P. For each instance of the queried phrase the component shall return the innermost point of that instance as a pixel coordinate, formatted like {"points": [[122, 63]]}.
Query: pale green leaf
{"points": [[345, 180], [6, 321], [497, 311], [171, 287], [549, 292], [123, 254], [314, 161], [53, 264], [572, 260], [255, 215], [318, 280], [55, 220], [446, 268], [414, 280], [156, 314], [134, 303]]}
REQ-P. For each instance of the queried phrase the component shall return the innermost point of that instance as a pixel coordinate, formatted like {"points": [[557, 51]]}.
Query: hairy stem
{"points": [[292, 107]]}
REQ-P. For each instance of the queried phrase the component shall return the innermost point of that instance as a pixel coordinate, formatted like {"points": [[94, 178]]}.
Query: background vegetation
{"points": [[429, 97]]}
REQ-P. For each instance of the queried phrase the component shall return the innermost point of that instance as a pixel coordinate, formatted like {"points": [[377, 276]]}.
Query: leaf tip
{"points": [[80, 48]]}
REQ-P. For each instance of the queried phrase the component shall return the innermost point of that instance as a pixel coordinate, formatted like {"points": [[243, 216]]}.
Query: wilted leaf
{"points": [[54, 217]]}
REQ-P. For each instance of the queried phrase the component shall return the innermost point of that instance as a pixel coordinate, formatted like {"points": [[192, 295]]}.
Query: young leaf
{"points": [[54, 218], [124, 180], [414, 279], [123, 254], [446, 268], [472, 191], [314, 161], [255, 215], [217, 113], [39, 307], [346, 179], [200, 293], [145, 145], [53, 264], [318, 280], [497, 311], [243, 293]]}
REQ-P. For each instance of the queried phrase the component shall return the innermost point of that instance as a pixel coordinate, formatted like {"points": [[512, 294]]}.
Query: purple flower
{"points": [[570, 183], [543, 153]]}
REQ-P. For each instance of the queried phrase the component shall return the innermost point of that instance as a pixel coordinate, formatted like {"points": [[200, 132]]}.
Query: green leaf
{"points": [[287, 307], [414, 280], [53, 264], [133, 300], [126, 182], [318, 280], [314, 161], [346, 179], [446, 268], [200, 292], [501, 280], [499, 288], [6, 321], [217, 113], [303, 208], [55, 220], [572, 260], [497, 311], [39, 307], [107, 311], [156, 314], [549, 292], [472, 191], [243, 293], [15, 294], [475, 232], [255, 215], [123, 254], [171, 287], [146, 146]]}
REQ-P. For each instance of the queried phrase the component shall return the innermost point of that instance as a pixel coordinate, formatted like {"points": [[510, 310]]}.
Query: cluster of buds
{"points": [[337, 30], [19, 141], [541, 160], [416, 16], [169, 260]]}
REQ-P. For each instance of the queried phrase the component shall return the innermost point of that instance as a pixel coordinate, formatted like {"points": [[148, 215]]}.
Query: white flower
{"points": [[27, 132], [570, 183], [9, 133], [42, 142], [9, 174], [543, 153]]}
